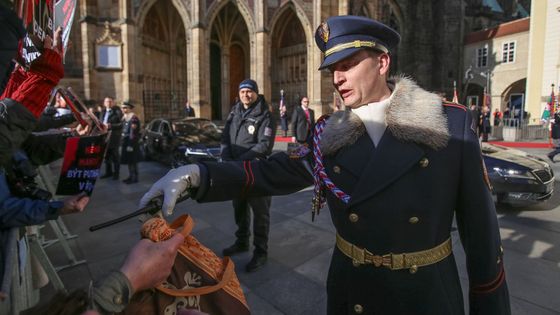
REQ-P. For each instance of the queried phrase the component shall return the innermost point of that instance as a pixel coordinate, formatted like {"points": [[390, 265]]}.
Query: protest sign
{"points": [[80, 169], [64, 11], [38, 19]]}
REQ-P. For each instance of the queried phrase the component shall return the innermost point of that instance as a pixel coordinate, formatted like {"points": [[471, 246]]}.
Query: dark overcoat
{"points": [[301, 128], [130, 149], [115, 119], [426, 169], [248, 134]]}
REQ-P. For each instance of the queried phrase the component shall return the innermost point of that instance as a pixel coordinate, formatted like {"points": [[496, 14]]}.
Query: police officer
{"points": [[395, 167], [248, 135]]}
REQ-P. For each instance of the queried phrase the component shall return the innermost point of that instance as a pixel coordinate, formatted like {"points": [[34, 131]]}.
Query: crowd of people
{"points": [[24, 115]]}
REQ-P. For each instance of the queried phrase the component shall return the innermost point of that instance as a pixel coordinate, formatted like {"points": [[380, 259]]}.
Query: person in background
{"points": [[555, 134], [189, 111], [475, 114], [485, 127], [111, 116], [497, 117], [130, 150], [249, 135], [284, 119], [303, 121]]}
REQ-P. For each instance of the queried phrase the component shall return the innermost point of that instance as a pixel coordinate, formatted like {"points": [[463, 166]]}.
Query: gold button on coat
{"points": [[413, 269], [358, 309], [353, 217], [413, 220], [424, 162], [336, 169], [117, 299]]}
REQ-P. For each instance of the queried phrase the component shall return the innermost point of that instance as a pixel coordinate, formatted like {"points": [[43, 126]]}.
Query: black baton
{"points": [[151, 208]]}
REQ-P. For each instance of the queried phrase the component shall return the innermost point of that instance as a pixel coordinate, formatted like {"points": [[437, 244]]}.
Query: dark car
{"points": [[181, 141], [516, 176]]}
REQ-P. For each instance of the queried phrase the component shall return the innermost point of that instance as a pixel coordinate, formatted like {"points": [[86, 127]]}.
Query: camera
{"points": [[21, 179]]}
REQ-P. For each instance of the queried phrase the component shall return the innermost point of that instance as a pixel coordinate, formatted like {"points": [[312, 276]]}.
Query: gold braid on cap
{"points": [[356, 44]]}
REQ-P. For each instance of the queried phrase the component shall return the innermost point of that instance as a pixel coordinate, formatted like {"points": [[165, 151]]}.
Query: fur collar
{"points": [[413, 115]]}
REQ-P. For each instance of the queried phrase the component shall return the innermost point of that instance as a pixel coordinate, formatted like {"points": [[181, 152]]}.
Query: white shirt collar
{"points": [[373, 117]]}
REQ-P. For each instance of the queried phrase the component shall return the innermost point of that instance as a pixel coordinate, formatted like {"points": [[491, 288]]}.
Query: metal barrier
{"points": [[516, 130]]}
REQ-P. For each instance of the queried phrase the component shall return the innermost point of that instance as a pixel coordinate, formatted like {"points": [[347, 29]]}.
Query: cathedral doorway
{"points": [[289, 60], [229, 55], [163, 62]]}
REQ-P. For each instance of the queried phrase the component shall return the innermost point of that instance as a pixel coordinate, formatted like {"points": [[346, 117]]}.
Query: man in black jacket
{"points": [[249, 135], [303, 121], [111, 116]]}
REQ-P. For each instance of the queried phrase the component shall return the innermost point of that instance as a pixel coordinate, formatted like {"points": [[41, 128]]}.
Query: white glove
{"points": [[172, 185]]}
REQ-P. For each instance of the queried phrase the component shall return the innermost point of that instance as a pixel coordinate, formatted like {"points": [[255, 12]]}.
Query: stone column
{"points": [[319, 101], [199, 79], [198, 62], [260, 68], [88, 29], [130, 87], [225, 77]]}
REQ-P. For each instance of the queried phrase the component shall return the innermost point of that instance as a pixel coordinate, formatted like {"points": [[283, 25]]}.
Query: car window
{"points": [[185, 128], [165, 128], [155, 125], [208, 126]]}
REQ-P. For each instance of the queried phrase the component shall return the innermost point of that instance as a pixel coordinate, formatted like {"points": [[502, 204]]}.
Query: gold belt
{"points": [[361, 256]]}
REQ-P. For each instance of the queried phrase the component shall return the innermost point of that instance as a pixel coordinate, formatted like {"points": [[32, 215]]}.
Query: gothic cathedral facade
{"points": [[161, 53]]}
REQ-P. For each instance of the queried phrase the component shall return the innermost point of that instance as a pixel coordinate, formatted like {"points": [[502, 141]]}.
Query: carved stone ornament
{"points": [[108, 37]]}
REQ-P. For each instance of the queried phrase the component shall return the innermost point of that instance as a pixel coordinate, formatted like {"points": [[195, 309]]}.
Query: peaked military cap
{"points": [[128, 104], [341, 36]]}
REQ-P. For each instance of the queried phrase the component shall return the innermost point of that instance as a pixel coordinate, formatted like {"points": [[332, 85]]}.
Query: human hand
{"points": [[103, 128], [175, 182], [149, 264], [55, 43], [74, 204], [81, 130]]}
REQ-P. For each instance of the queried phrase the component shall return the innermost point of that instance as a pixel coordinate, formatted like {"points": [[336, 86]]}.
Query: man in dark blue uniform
{"points": [[394, 168]]}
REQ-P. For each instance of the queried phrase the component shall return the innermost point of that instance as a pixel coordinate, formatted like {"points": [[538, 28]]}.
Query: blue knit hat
{"points": [[249, 84]]}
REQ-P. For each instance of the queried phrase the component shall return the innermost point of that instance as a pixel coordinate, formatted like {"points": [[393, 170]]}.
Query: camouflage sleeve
{"points": [[112, 294]]}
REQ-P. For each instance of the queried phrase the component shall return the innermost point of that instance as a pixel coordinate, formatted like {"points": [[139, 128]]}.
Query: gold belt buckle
{"points": [[397, 261], [375, 260], [358, 255]]}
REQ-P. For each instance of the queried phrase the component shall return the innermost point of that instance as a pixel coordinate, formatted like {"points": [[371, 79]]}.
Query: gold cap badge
{"points": [[324, 31]]}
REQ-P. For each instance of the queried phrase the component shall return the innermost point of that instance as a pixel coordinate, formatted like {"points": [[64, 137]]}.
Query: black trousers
{"points": [[133, 171], [261, 221], [112, 161]]}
